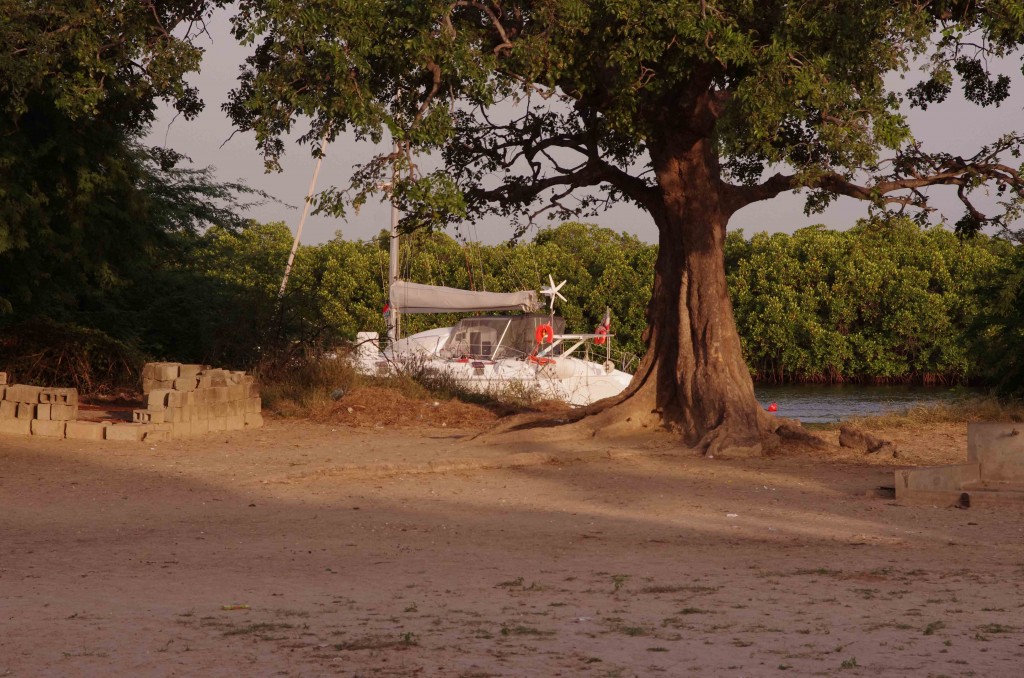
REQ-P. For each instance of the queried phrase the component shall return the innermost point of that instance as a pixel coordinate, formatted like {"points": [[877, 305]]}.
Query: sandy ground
{"points": [[309, 549]]}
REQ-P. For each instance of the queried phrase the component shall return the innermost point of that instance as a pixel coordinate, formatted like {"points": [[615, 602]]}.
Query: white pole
{"points": [[305, 213], [394, 328]]}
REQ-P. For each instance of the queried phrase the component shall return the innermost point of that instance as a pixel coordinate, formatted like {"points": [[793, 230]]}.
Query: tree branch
{"points": [[911, 171]]}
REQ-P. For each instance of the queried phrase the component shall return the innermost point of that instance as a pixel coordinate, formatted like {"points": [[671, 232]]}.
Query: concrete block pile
{"points": [[180, 401], [34, 410], [189, 400]]}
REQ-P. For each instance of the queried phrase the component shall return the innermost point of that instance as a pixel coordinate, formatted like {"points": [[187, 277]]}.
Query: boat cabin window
{"points": [[496, 337]]}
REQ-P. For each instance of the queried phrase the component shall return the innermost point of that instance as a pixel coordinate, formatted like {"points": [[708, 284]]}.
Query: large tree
{"points": [[692, 109]]}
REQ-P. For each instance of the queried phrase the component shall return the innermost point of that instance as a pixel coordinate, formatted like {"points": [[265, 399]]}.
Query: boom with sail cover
{"points": [[411, 297]]}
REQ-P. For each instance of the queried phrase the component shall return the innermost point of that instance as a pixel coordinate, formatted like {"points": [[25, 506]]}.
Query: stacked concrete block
{"points": [[188, 400], [35, 410], [993, 474], [180, 400]]}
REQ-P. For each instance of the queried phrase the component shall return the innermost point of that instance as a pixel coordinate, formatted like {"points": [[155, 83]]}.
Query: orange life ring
{"points": [[542, 332], [541, 360], [601, 331]]}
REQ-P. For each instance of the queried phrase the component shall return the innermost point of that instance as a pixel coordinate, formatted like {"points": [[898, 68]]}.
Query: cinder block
{"points": [[8, 409], [3, 390], [180, 398], [254, 390], [43, 411], [200, 426], [181, 429], [127, 432], [63, 396], [254, 420], [189, 371], [235, 422], [47, 428], [3, 378], [186, 383], [22, 393], [176, 415], [253, 405], [16, 426], [213, 379], [149, 416], [166, 371], [59, 412], [218, 424], [148, 384], [84, 430], [157, 399], [218, 410], [26, 411]]}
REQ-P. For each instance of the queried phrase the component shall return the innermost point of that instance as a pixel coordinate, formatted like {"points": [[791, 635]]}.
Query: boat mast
{"points": [[305, 213], [394, 327]]}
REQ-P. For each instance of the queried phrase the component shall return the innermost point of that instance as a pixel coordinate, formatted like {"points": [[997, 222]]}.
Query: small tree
{"points": [[683, 107]]}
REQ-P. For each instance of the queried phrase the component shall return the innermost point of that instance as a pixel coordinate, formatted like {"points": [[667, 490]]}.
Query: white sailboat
{"points": [[495, 354], [527, 353]]}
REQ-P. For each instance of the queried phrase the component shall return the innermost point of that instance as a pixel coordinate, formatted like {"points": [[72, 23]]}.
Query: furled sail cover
{"points": [[415, 298]]}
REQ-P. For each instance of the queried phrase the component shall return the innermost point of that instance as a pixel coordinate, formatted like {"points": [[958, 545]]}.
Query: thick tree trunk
{"points": [[693, 379]]}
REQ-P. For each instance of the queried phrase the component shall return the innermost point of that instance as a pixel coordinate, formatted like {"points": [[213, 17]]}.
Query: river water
{"points": [[823, 404]]}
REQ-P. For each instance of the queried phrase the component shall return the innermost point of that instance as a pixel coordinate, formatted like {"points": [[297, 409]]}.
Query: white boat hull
{"points": [[570, 379]]}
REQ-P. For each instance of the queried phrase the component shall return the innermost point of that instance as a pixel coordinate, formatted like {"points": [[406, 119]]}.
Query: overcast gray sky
{"points": [[956, 127]]}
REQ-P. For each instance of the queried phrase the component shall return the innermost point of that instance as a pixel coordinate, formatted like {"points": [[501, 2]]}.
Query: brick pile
{"points": [[34, 410], [189, 400], [181, 400]]}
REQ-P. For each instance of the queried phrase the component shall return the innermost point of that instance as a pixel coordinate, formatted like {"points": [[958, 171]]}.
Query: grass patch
{"points": [[377, 643], [975, 408], [933, 627], [996, 628], [821, 571], [257, 628], [523, 630], [679, 589], [304, 386], [633, 631], [511, 584], [329, 388]]}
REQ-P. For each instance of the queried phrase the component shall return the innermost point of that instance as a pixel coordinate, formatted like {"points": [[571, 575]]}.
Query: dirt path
{"points": [[304, 550]]}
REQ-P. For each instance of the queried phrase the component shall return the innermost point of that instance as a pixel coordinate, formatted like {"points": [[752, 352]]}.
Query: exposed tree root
{"points": [[614, 418]]}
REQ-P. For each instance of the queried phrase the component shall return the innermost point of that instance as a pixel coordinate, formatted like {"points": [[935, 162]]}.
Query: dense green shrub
{"points": [[998, 330], [882, 302]]}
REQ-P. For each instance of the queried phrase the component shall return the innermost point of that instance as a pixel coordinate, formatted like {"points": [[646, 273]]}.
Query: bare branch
{"points": [[910, 171]]}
